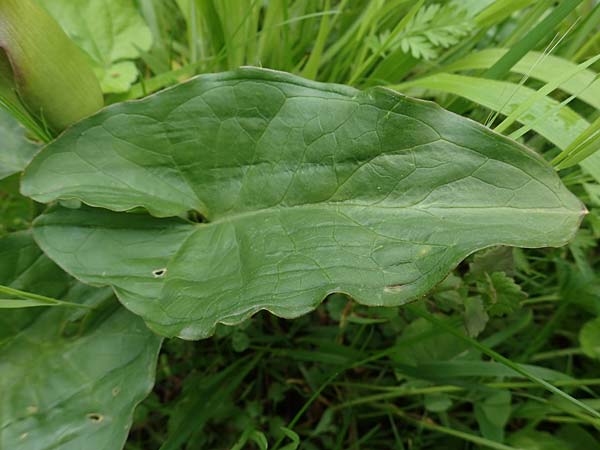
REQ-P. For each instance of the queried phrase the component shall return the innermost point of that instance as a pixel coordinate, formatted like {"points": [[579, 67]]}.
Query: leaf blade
{"points": [[74, 388], [308, 189]]}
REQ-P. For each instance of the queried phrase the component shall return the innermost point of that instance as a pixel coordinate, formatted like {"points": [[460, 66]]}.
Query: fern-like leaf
{"points": [[433, 27]]}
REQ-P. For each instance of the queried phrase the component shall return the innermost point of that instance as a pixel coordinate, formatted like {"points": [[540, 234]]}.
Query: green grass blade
{"points": [[430, 425], [393, 392], [312, 65], [202, 404], [500, 10], [501, 359], [585, 29], [13, 303], [531, 40], [561, 126], [544, 91], [27, 299], [542, 67], [391, 38], [355, 31], [557, 123], [527, 21], [586, 144], [589, 45]]}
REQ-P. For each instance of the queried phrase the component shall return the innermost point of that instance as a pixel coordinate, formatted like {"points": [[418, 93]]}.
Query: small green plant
{"points": [[431, 27], [393, 223]]}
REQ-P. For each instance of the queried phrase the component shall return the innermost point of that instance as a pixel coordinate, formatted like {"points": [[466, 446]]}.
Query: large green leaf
{"points": [[111, 32], [69, 378], [15, 150], [307, 189]]}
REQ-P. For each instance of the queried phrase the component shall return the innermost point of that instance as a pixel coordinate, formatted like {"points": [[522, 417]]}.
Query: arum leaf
{"points": [[307, 189], [15, 150], [500, 293], [111, 32], [69, 378], [42, 68]]}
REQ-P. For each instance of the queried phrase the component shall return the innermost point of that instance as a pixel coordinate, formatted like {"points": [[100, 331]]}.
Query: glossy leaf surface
{"points": [[307, 189], [69, 378]]}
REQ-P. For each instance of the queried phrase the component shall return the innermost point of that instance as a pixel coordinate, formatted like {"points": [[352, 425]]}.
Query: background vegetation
{"points": [[468, 366]]}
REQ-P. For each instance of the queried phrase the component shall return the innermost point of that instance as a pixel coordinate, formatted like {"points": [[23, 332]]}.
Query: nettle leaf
{"points": [[501, 293], [497, 259], [307, 189], [69, 378], [15, 150], [111, 32]]}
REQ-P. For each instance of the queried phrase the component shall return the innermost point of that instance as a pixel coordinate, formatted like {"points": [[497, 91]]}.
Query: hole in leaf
{"points": [[159, 273], [95, 417], [394, 288], [196, 217], [72, 328]]}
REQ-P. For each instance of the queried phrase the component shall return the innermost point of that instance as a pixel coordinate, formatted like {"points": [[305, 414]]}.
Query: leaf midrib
{"points": [[335, 206]]}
